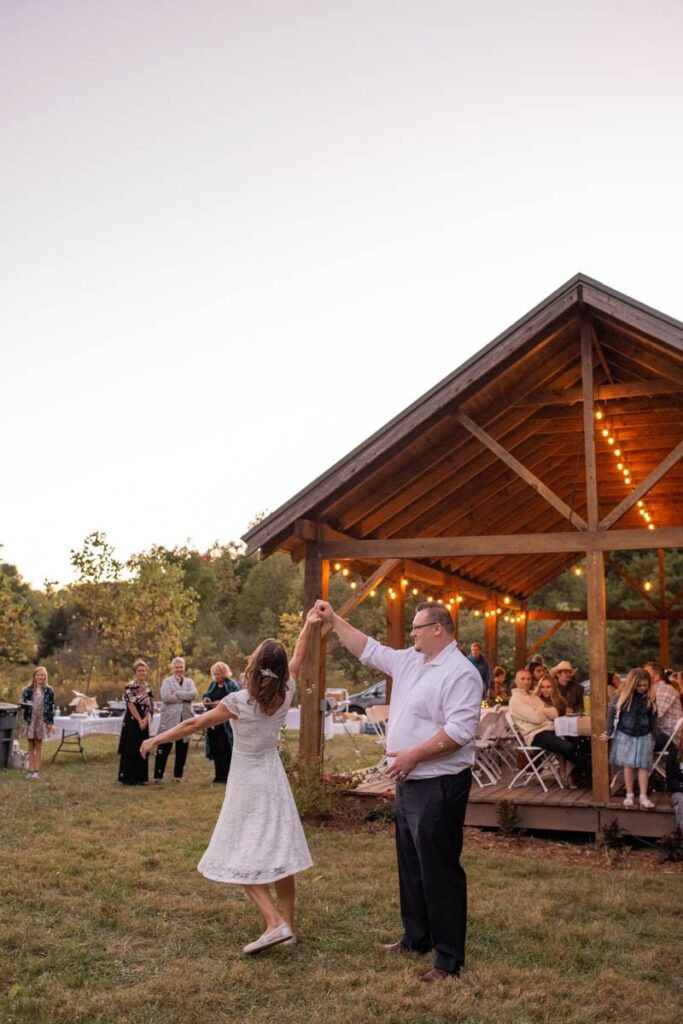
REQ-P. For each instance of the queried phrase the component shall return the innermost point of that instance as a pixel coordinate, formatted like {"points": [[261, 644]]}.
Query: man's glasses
{"points": [[414, 629]]}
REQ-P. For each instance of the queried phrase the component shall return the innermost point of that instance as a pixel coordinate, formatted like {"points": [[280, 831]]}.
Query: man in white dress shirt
{"points": [[433, 719]]}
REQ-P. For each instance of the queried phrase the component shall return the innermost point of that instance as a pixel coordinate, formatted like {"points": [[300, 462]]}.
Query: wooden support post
{"points": [[455, 612], [311, 682], [520, 642], [491, 637], [597, 671], [664, 621], [396, 626]]}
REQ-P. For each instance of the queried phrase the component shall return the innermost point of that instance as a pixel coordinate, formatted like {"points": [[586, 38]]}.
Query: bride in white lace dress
{"points": [[258, 839]]}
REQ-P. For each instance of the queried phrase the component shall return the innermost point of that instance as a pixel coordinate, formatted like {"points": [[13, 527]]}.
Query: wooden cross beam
{"points": [[648, 483], [505, 544], [544, 638], [530, 478], [633, 584], [362, 592]]}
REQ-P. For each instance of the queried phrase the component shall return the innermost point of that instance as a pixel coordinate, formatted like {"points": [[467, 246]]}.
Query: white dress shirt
{"points": [[426, 696]]}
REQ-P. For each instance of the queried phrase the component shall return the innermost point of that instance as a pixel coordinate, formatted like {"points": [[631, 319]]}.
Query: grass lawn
{"points": [[105, 919]]}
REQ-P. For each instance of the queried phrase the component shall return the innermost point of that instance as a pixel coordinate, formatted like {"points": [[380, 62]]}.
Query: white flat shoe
{"points": [[289, 942], [645, 801], [278, 935]]}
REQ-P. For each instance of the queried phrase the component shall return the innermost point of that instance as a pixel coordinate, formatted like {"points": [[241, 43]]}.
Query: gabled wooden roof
{"points": [[426, 474]]}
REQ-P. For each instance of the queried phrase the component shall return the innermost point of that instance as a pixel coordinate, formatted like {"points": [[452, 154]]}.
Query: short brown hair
{"points": [[440, 615]]}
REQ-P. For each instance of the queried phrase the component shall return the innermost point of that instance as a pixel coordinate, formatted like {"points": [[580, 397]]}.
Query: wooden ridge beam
{"points": [[504, 544], [532, 480], [642, 488]]}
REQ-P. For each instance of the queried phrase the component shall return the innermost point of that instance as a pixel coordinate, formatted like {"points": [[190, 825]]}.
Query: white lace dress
{"points": [[258, 837]]}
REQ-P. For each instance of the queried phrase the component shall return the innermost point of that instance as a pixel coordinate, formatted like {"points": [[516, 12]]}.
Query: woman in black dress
{"points": [[134, 769], [219, 737]]}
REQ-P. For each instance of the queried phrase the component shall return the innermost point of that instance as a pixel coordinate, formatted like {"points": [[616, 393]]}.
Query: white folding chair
{"points": [[377, 715], [486, 765], [664, 752], [537, 760]]}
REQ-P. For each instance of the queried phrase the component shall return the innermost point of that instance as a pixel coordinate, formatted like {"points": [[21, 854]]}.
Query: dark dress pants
{"points": [[163, 750], [430, 814]]}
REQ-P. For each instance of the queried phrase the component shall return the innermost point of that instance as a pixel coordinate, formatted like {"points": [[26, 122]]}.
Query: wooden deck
{"points": [[568, 810], [561, 810]]}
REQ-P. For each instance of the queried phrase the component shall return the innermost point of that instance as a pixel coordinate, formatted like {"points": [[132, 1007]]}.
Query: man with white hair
{"points": [[177, 693]]}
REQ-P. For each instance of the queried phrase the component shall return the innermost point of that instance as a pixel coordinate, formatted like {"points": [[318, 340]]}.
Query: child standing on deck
{"points": [[631, 719]]}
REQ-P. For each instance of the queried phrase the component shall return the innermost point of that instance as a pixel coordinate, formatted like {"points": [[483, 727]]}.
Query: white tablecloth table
{"points": [[70, 730], [571, 726]]}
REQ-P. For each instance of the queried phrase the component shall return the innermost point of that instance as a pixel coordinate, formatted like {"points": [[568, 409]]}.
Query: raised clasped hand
{"points": [[325, 611]]}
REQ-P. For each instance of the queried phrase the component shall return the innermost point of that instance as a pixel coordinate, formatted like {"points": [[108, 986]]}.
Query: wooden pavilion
{"points": [[561, 440]]}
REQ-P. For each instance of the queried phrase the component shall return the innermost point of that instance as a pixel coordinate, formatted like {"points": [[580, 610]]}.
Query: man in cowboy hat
{"points": [[563, 673]]}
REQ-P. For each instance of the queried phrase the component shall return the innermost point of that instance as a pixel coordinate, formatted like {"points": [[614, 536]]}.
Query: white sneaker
{"points": [[289, 942], [645, 801], [629, 801], [274, 938]]}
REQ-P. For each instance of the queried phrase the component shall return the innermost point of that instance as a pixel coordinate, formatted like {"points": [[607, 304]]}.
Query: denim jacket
{"points": [[635, 719], [48, 704]]}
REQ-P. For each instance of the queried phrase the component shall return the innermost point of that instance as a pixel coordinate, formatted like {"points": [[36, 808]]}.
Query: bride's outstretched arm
{"points": [[313, 620], [179, 732]]}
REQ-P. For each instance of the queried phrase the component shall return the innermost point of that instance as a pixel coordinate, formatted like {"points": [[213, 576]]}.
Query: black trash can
{"points": [[8, 721]]}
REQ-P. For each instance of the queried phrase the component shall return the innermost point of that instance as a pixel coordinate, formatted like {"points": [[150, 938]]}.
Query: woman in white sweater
{"points": [[535, 722]]}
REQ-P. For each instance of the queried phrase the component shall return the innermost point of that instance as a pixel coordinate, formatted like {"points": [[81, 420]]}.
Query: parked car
{"points": [[359, 702]]}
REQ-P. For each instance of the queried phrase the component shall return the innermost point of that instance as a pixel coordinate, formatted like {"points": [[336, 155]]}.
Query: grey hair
{"points": [[178, 661]]}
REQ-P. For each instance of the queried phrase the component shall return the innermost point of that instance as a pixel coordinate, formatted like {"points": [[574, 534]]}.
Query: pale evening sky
{"points": [[238, 237]]}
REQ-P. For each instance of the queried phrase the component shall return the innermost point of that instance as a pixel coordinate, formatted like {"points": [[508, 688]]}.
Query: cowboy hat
{"points": [[563, 666]]}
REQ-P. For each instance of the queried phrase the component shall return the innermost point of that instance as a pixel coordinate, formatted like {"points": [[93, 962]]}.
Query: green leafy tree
{"points": [[94, 594], [18, 634], [154, 611]]}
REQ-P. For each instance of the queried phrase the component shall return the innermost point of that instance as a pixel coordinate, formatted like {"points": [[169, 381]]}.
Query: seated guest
{"points": [[564, 673], [538, 669], [674, 778], [549, 692], [534, 720], [498, 691], [668, 703]]}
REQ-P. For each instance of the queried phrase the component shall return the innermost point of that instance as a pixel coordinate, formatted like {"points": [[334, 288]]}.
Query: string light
{"points": [[578, 571], [404, 582], [647, 585], [415, 591], [609, 435], [353, 584], [337, 566], [506, 600], [477, 613], [373, 593], [430, 598], [345, 572], [460, 599]]}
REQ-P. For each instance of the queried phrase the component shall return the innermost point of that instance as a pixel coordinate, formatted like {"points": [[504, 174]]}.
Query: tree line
{"points": [[218, 605]]}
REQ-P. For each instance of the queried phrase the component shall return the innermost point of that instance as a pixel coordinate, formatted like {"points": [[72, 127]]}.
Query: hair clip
{"points": [[268, 672]]}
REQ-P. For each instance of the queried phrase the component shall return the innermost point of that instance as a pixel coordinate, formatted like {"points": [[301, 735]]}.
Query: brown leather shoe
{"points": [[436, 974], [395, 947]]}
